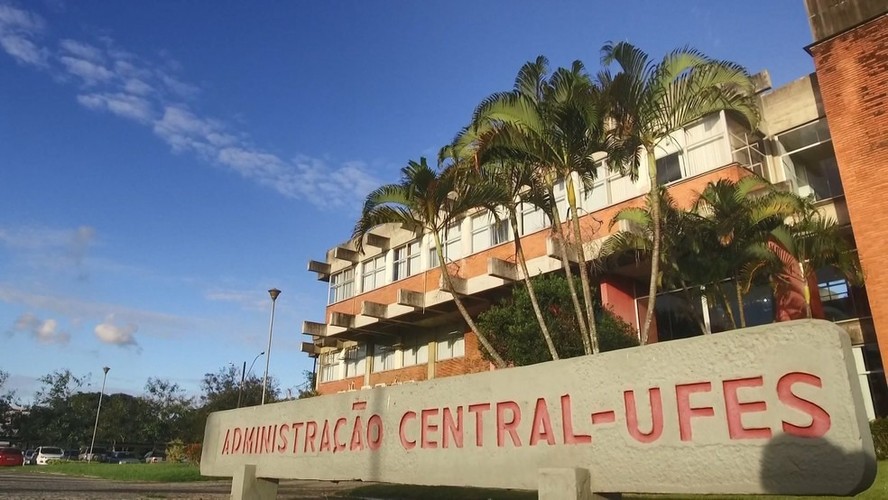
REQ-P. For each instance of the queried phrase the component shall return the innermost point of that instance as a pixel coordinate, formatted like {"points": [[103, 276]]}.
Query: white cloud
{"points": [[82, 51], [24, 50], [110, 333], [90, 72], [121, 104], [18, 20], [44, 331], [138, 87]]}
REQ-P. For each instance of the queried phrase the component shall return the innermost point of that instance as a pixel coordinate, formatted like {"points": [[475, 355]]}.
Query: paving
{"points": [[29, 486]]}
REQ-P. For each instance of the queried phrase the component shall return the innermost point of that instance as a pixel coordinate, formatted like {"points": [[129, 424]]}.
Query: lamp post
{"points": [[274, 292], [240, 391], [99, 409]]}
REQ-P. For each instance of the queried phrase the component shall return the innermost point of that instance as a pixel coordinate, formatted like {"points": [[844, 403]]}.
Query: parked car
{"points": [[71, 455], [98, 453], [11, 456], [121, 457], [153, 457], [30, 455], [45, 454]]}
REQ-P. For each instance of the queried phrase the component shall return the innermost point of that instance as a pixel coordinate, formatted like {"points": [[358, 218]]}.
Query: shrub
{"points": [[879, 430], [175, 451], [192, 453]]}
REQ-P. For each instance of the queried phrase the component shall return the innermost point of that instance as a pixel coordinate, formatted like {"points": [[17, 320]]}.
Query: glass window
{"points": [[342, 285], [383, 357], [835, 295], [328, 364], [758, 307], [406, 260], [416, 350], [488, 232], [676, 318], [355, 360], [374, 273], [451, 346], [532, 218], [669, 168], [453, 241], [809, 161]]}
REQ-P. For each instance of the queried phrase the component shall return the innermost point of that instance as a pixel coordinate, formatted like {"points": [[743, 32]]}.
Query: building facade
{"points": [[390, 322]]}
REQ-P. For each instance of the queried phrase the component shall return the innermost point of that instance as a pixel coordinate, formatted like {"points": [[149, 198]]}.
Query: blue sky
{"points": [[163, 164]]}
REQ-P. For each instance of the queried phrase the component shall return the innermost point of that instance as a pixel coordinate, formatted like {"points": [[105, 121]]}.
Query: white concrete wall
{"points": [[773, 409]]}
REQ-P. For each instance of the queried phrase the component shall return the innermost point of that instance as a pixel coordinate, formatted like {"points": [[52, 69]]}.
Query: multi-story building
{"points": [[389, 321]]}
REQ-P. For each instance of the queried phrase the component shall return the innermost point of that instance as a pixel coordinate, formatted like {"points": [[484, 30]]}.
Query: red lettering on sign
{"points": [[453, 429], [337, 446], [357, 438], [374, 432], [311, 428], [282, 435], [604, 417], [296, 427], [269, 433], [820, 419], [402, 430], [227, 445], [427, 428], [735, 409], [686, 411], [479, 409], [325, 437], [541, 427], [567, 424], [656, 405], [510, 426], [249, 440]]}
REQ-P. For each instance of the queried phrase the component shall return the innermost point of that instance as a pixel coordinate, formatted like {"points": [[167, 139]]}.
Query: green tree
{"points": [[429, 201], [554, 123], [650, 100], [167, 408], [307, 389], [515, 332]]}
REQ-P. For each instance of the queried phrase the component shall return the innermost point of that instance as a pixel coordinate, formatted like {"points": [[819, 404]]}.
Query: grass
{"points": [[164, 472], [175, 473]]}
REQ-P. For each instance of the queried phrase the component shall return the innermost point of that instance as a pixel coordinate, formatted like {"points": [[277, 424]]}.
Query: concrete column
{"points": [[433, 358], [246, 486], [569, 484]]}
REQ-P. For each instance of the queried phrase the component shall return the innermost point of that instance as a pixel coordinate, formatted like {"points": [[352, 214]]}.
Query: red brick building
{"points": [[389, 322]]}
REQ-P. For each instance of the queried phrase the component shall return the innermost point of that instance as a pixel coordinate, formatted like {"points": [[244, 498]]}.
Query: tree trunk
{"points": [[565, 263], [697, 317], [522, 262], [497, 359], [806, 290], [739, 291], [655, 246], [581, 256]]}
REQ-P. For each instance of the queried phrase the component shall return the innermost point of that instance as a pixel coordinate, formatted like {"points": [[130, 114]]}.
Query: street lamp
{"points": [[99, 409], [274, 292], [243, 375]]}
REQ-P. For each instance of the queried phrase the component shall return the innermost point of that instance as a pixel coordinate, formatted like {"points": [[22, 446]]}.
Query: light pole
{"points": [[243, 375], [99, 409], [274, 292]]}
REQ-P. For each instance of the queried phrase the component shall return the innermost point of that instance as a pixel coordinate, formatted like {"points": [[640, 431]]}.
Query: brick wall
{"points": [[852, 69], [335, 386]]}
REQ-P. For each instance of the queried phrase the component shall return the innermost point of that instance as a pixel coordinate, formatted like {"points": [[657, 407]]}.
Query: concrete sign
{"points": [[773, 409]]}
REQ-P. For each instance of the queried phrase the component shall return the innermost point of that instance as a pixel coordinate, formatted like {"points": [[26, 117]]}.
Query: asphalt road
{"points": [[33, 486]]}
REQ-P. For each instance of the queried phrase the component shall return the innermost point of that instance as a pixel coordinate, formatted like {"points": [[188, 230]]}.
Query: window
{"points": [[328, 364], [452, 345], [840, 299], [668, 168], [406, 260], [451, 245], [416, 350], [383, 357], [342, 285], [532, 218], [374, 273], [488, 232], [809, 161], [355, 360]]}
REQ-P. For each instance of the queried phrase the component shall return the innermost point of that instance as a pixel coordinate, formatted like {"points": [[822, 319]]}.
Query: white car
{"points": [[44, 454]]}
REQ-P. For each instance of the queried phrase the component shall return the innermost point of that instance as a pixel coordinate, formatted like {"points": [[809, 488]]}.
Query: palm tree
{"points": [[812, 241], [555, 124], [516, 182], [650, 100], [682, 262], [737, 220], [430, 201]]}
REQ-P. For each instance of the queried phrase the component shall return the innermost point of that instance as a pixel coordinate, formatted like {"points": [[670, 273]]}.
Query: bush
{"points": [[192, 453], [879, 430], [175, 451]]}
